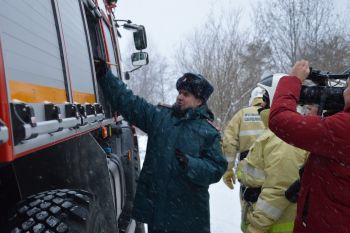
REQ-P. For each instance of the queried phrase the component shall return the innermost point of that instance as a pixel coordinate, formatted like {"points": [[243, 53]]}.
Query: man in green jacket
{"points": [[183, 154]]}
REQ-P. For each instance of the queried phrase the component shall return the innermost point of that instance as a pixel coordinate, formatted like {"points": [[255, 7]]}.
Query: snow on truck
{"points": [[68, 162]]}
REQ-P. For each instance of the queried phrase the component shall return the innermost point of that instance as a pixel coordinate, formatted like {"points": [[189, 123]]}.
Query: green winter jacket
{"points": [[168, 197]]}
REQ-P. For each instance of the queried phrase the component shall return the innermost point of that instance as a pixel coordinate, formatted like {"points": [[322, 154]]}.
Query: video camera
{"points": [[327, 90]]}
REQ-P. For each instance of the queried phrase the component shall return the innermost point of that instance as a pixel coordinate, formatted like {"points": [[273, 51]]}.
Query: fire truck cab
{"points": [[68, 162]]}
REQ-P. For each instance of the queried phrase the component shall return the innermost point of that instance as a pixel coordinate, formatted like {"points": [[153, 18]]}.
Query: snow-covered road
{"points": [[224, 203]]}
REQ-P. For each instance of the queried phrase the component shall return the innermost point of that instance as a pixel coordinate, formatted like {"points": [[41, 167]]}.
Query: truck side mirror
{"points": [[140, 38], [139, 59]]}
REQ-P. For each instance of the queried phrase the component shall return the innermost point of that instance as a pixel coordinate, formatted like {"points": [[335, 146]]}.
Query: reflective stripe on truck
{"points": [[33, 93]]}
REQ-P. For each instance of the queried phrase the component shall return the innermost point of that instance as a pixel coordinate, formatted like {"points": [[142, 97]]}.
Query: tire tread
{"points": [[50, 211]]}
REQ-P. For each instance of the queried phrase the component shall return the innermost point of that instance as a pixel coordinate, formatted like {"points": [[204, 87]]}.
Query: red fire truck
{"points": [[68, 162]]}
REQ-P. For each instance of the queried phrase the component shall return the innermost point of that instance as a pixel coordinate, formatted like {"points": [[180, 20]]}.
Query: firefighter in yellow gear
{"points": [[241, 132], [267, 172]]}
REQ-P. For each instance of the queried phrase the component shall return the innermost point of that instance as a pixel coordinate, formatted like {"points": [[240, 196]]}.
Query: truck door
{"points": [[78, 53], [32, 52]]}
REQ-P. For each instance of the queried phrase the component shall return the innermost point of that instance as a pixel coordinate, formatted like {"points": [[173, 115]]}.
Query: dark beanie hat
{"points": [[196, 84]]}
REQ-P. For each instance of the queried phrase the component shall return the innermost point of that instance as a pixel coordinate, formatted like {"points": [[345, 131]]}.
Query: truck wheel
{"points": [[61, 210]]}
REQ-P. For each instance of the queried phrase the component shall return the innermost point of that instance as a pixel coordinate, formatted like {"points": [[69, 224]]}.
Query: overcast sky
{"points": [[168, 22]]}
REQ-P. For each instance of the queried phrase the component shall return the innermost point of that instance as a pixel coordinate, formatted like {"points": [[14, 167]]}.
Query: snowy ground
{"points": [[224, 203]]}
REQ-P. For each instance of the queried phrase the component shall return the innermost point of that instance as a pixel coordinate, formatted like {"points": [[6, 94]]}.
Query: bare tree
{"points": [[333, 54], [296, 29], [213, 51], [225, 55]]}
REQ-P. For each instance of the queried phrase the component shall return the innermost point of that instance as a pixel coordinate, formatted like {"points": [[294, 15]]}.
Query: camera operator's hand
{"points": [[301, 70]]}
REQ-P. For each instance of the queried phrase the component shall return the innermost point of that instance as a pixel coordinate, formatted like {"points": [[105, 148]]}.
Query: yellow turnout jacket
{"points": [[272, 165]]}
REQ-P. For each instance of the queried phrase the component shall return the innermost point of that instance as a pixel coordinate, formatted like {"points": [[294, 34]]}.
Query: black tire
{"points": [[61, 211]]}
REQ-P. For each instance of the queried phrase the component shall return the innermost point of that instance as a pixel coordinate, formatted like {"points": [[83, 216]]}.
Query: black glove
{"points": [[101, 67], [292, 193], [250, 194], [181, 157]]}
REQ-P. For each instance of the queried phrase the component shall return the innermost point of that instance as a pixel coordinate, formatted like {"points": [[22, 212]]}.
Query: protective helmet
{"points": [[269, 84], [257, 92], [196, 84]]}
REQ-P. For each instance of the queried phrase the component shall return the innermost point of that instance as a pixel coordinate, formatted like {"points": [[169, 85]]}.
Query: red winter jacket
{"points": [[324, 200]]}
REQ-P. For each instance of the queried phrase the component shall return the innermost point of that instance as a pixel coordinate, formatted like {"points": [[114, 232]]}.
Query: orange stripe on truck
{"points": [[81, 97], [32, 93]]}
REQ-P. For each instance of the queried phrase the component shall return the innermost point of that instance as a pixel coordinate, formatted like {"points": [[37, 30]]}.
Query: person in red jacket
{"points": [[324, 198]]}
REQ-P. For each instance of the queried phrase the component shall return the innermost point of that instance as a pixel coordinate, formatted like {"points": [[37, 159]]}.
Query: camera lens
{"points": [[310, 95], [332, 97]]}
